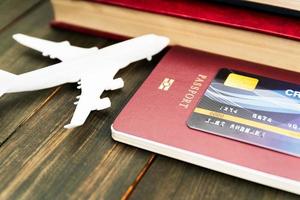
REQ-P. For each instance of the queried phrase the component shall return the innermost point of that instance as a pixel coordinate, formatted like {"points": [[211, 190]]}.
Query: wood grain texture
{"points": [[171, 179], [12, 10], [15, 109], [41, 159]]}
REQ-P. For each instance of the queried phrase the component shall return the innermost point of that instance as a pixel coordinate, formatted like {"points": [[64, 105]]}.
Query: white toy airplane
{"points": [[94, 69]]}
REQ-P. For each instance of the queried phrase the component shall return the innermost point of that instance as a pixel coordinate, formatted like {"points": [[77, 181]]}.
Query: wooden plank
{"points": [[11, 10], [15, 109], [41, 157], [172, 179]]}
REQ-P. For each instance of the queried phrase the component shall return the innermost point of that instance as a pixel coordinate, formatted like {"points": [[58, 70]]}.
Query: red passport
{"points": [[156, 118]]}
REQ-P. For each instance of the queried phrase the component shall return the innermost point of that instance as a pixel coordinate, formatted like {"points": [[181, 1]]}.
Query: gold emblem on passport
{"points": [[241, 82], [166, 84]]}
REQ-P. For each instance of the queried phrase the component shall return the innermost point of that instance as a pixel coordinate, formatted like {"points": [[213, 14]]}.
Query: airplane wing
{"points": [[60, 50], [89, 100]]}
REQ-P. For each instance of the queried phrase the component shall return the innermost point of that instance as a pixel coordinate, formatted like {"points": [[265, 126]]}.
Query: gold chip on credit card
{"points": [[241, 82]]}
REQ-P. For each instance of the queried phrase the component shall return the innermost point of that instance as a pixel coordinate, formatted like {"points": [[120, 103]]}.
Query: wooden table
{"points": [[39, 159]]}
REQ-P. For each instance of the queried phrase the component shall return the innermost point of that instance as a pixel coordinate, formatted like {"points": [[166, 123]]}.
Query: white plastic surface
{"points": [[94, 69]]}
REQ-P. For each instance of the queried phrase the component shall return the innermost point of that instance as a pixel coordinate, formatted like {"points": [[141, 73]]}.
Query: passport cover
{"points": [[156, 117], [218, 13]]}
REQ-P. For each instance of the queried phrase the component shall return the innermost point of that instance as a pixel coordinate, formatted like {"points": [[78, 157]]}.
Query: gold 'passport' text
{"points": [[192, 91]]}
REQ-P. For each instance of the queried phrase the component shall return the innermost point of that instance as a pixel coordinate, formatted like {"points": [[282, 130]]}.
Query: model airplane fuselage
{"points": [[94, 69]]}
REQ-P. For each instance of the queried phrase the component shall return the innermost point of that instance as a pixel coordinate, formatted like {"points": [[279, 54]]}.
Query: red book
{"points": [[155, 120], [207, 11], [102, 17]]}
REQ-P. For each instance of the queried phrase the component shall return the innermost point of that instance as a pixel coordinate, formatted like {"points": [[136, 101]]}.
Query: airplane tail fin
{"points": [[4, 77]]}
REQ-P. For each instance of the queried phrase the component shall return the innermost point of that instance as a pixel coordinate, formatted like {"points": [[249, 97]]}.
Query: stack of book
{"points": [[206, 26]]}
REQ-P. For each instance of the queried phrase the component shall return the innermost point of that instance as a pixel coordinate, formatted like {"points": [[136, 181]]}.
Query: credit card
{"points": [[253, 109]]}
